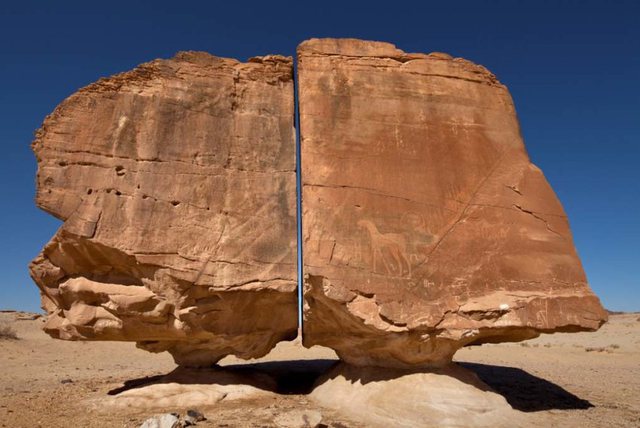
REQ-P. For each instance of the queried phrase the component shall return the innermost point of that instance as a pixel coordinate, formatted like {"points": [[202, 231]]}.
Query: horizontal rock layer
{"points": [[426, 226], [176, 185]]}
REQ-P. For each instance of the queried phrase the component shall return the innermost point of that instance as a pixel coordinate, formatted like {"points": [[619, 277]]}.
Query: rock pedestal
{"points": [[450, 397]]}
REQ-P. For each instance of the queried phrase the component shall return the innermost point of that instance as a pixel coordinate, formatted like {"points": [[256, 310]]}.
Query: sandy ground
{"points": [[571, 380]]}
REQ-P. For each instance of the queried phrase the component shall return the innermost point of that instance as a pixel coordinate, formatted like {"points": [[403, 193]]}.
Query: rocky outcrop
{"points": [[449, 397], [426, 226], [185, 387], [176, 185]]}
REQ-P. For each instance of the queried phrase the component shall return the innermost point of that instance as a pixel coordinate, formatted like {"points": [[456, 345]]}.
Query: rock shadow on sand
{"points": [[325, 379], [282, 377], [526, 392]]}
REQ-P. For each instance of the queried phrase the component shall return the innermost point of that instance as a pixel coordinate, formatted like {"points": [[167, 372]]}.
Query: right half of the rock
{"points": [[426, 226]]}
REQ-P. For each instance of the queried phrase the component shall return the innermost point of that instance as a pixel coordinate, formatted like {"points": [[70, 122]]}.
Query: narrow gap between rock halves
{"points": [[296, 122]]}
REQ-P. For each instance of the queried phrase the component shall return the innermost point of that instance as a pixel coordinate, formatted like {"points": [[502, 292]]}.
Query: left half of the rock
{"points": [[176, 185]]}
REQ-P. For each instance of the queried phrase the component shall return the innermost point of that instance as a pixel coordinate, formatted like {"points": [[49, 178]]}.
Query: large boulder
{"points": [[426, 226], [383, 397], [176, 185]]}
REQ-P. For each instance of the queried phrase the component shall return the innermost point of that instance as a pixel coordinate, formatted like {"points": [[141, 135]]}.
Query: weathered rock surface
{"points": [[167, 420], [176, 185], [450, 397], [186, 387], [426, 227]]}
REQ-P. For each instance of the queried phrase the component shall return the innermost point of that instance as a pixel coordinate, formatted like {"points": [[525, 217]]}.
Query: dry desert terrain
{"points": [[582, 380]]}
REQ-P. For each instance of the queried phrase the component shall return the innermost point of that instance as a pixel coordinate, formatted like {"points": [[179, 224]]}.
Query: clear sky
{"points": [[573, 68]]}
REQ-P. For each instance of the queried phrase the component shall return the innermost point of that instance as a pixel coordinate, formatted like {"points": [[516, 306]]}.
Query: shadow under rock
{"points": [[523, 391], [283, 377], [365, 375], [526, 392]]}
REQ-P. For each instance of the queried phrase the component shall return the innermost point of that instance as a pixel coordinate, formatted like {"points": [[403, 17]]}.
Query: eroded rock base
{"points": [[185, 387], [448, 397]]}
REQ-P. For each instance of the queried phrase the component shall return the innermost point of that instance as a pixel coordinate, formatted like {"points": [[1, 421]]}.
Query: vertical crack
{"points": [[296, 124]]}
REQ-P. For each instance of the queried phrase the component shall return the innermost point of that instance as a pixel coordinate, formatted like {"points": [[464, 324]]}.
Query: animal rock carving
{"points": [[384, 245]]}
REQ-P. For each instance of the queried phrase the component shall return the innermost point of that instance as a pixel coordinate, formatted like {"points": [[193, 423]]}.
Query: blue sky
{"points": [[573, 68]]}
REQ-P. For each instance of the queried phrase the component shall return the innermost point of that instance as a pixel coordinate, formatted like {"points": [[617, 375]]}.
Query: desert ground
{"points": [[581, 379]]}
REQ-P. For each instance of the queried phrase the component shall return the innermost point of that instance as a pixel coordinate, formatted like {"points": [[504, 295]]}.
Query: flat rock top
{"points": [[383, 54], [349, 47]]}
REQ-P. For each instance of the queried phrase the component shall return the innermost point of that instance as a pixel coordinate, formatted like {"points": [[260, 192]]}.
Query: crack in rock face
{"points": [[176, 185], [425, 226]]}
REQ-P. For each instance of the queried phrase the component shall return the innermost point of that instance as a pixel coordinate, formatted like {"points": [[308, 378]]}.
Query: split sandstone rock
{"points": [[426, 226], [176, 185]]}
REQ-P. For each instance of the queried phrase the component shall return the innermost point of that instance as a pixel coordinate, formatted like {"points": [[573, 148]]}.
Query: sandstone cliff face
{"points": [[426, 227], [176, 185]]}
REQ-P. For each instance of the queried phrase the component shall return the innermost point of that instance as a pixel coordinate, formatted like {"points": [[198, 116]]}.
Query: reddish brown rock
{"points": [[426, 227], [176, 185]]}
